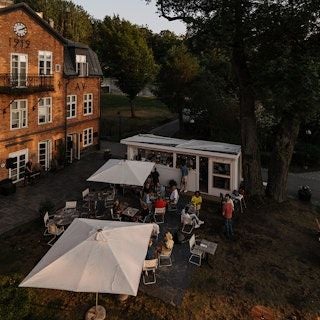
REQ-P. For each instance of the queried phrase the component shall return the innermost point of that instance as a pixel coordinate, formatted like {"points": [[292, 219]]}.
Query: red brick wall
{"points": [[38, 39]]}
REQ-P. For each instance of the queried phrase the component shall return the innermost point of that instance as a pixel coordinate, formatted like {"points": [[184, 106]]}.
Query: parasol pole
{"points": [[97, 302]]}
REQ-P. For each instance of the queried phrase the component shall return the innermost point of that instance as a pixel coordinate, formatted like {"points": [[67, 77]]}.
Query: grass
{"points": [[273, 262], [150, 113]]}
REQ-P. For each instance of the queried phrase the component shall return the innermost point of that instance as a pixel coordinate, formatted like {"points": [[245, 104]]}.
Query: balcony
{"points": [[25, 84]]}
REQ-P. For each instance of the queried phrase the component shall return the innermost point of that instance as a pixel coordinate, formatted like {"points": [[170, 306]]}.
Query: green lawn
{"points": [[273, 262], [115, 115]]}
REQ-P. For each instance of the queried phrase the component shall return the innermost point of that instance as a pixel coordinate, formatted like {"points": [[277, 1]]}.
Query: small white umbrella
{"points": [[94, 256], [127, 172]]}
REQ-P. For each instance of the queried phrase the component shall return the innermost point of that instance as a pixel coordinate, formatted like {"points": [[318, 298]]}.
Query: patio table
{"points": [[208, 247], [130, 212], [64, 217]]}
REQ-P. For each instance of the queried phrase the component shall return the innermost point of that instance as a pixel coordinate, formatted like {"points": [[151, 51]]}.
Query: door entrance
{"points": [[73, 147], [203, 175], [20, 159], [44, 154]]}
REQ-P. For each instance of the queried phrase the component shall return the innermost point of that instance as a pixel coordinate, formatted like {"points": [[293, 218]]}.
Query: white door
{"points": [[19, 165], [45, 154], [19, 63]]}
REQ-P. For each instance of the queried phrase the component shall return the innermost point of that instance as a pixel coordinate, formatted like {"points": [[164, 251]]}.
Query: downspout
{"points": [[65, 120]]}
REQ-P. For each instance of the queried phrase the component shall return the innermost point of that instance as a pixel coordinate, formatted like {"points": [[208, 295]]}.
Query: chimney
{"points": [[40, 14], [51, 22], [5, 3]]}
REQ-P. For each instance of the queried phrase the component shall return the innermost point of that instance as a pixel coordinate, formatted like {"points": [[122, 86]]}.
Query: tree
{"points": [[178, 71], [123, 50], [71, 20], [228, 24], [287, 79]]}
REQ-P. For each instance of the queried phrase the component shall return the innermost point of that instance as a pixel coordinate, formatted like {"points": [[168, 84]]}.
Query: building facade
{"points": [[49, 94]]}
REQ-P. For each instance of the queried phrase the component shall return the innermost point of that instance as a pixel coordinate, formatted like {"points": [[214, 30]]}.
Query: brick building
{"points": [[49, 93]]}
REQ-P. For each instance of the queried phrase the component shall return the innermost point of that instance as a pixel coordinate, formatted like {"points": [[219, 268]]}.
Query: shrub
{"points": [[46, 206], [15, 302]]}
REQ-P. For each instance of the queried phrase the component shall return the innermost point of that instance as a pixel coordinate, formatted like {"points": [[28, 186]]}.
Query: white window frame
{"points": [[20, 81], [87, 104], [47, 58], [87, 137], [22, 113], [82, 68], [48, 154], [71, 106], [47, 110]]}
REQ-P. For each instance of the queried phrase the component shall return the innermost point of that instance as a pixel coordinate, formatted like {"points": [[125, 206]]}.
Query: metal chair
{"points": [[149, 266], [71, 205], [159, 212], [196, 252], [85, 199], [188, 225], [46, 220], [115, 216], [54, 230], [165, 259]]}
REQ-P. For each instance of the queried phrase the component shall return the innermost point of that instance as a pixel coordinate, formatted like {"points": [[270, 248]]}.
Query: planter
{"points": [[7, 187], [304, 193]]}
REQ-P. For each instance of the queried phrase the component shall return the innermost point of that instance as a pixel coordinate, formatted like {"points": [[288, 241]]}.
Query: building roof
{"points": [[200, 145], [71, 48]]}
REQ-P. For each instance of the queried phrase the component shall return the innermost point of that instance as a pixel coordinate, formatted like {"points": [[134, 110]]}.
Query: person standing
{"points": [[28, 171], [184, 177], [155, 177], [227, 212]]}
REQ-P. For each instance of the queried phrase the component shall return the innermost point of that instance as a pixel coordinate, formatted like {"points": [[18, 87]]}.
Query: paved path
{"points": [[66, 184]]}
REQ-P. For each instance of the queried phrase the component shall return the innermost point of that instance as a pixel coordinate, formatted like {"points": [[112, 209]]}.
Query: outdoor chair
{"points": [[99, 210], [165, 259], [188, 225], [115, 216], [46, 220], [147, 218], [149, 266], [172, 207], [70, 205], [86, 201], [196, 252], [159, 215], [54, 230]]}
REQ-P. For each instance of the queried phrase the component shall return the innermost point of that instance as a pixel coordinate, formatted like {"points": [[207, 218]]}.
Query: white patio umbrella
{"points": [[127, 172], [94, 256]]}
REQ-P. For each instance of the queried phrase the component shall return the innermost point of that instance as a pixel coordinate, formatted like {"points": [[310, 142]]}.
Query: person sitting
{"points": [[160, 203], [117, 207], [174, 196], [185, 218], [196, 200], [150, 251], [155, 177], [147, 188], [167, 245], [28, 171], [160, 190], [145, 213], [147, 199]]}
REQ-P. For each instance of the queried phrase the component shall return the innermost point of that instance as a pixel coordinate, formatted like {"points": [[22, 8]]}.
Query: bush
{"points": [[46, 206], [14, 301], [306, 154]]}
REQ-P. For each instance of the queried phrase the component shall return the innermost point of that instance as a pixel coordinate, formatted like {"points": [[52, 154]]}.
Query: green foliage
{"points": [[71, 20], [124, 51], [14, 301], [46, 206]]}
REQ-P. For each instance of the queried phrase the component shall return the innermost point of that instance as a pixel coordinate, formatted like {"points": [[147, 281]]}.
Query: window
{"points": [[18, 114], [221, 175], [163, 158], [45, 62], [190, 161], [87, 104], [45, 110], [71, 106], [87, 137], [81, 65], [19, 69]]}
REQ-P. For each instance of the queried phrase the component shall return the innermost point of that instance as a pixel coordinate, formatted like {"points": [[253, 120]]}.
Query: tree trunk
{"points": [[285, 140], [133, 113], [251, 165]]}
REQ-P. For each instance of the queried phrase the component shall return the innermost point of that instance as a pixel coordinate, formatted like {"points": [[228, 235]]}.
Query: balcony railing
{"points": [[22, 83]]}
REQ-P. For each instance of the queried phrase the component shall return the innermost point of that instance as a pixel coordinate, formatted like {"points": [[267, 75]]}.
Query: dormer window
{"points": [[81, 65]]}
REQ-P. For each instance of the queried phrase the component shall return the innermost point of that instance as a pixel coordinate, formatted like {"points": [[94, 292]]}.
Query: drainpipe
{"points": [[65, 120]]}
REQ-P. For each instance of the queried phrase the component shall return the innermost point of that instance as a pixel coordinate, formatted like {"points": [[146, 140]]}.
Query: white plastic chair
{"points": [[85, 194], [188, 224], [196, 252], [159, 212], [46, 220], [70, 205], [115, 216], [165, 259], [54, 230], [149, 266]]}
